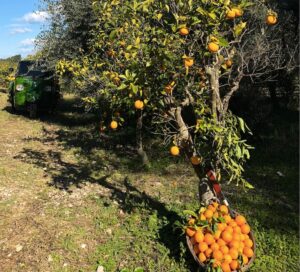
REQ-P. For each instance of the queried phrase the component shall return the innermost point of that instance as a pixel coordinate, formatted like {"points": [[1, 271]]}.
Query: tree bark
{"points": [[139, 141], [206, 193]]}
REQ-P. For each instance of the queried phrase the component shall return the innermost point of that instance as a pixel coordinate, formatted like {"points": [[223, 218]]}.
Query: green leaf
{"points": [[248, 185], [188, 212], [242, 124]]}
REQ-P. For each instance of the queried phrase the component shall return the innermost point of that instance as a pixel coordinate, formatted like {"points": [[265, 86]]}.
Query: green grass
{"points": [[95, 205]]}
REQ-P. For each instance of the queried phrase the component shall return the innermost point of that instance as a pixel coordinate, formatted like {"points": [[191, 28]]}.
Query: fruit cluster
{"points": [[219, 240]]}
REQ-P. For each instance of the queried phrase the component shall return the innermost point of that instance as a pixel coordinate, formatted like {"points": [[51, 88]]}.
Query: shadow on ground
{"points": [[78, 131]]}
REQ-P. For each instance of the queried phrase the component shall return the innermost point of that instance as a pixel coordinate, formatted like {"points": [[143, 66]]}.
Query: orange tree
{"points": [[179, 63]]}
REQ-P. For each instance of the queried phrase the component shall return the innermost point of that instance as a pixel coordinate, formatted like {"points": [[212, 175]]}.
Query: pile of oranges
{"points": [[220, 240]]}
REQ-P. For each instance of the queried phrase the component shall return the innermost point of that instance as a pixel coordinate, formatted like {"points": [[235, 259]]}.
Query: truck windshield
{"points": [[31, 68]]}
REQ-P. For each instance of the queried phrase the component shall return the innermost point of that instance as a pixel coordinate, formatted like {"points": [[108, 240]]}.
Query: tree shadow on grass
{"points": [[65, 175]]}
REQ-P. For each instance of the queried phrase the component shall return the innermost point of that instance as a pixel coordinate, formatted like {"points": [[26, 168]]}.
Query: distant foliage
{"points": [[5, 64]]}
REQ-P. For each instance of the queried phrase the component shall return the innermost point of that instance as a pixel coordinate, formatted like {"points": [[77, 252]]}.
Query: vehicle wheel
{"points": [[32, 111], [12, 103]]}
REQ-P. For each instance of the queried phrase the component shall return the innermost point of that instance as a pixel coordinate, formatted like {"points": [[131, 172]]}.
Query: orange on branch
{"points": [[238, 12], [175, 150], [113, 125], [184, 31], [188, 62], [271, 19], [138, 104], [195, 160], [228, 63], [230, 14], [213, 47]]}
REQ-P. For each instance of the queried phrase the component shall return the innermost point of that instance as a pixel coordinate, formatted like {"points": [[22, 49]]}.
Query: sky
{"points": [[20, 22]]}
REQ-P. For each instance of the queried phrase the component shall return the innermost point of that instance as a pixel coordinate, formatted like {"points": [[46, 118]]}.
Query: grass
{"points": [[86, 202]]}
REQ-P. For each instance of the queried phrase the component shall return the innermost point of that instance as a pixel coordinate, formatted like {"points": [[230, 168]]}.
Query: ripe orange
{"points": [[232, 224], [168, 89], [227, 258], [138, 104], [234, 265], [226, 236], [188, 62], [233, 252], [237, 229], [217, 234], [202, 257], [245, 229], [199, 236], [221, 226], [216, 215], [215, 204], [234, 244], [217, 255], [238, 12], [224, 249], [225, 267], [190, 232], [230, 14], [245, 259], [215, 246], [221, 242], [174, 150], [211, 207], [208, 252], [248, 243], [192, 221], [113, 125], [202, 217], [195, 160], [224, 209], [208, 214], [209, 239], [248, 252], [229, 228], [227, 218], [213, 47], [228, 63], [240, 220], [184, 31], [236, 236], [203, 246], [271, 19]]}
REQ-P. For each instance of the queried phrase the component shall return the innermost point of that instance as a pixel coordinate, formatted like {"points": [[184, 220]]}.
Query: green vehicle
{"points": [[34, 88]]}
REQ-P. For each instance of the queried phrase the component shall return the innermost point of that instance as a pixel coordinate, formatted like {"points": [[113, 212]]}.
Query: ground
{"points": [[72, 201]]}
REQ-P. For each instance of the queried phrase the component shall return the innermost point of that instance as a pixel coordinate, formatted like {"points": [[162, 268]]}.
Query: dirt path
{"points": [[35, 217]]}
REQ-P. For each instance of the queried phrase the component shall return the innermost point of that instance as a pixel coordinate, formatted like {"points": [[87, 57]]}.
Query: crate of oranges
{"points": [[220, 239]]}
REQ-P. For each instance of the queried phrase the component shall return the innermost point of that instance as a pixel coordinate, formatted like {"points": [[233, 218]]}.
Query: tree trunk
{"points": [[139, 141], [206, 193]]}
